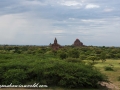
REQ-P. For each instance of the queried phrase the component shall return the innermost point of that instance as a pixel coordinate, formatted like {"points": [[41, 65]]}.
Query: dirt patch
{"points": [[109, 86]]}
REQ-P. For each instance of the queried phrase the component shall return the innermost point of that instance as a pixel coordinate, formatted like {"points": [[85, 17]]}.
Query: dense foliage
{"points": [[64, 68], [84, 53]]}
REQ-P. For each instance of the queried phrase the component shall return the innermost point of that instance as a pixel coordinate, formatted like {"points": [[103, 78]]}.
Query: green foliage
{"points": [[63, 55], [83, 57], [28, 64], [14, 76], [4, 56], [118, 78], [93, 58], [73, 60], [66, 74], [54, 52], [108, 68], [103, 56], [74, 53], [52, 72], [3, 52]]}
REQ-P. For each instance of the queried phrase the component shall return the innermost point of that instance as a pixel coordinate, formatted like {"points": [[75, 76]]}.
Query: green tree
{"points": [[14, 76], [93, 58], [103, 56], [63, 55], [74, 53], [82, 57]]}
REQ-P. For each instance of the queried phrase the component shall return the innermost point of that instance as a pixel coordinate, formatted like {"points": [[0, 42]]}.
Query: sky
{"points": [[38, 22]]}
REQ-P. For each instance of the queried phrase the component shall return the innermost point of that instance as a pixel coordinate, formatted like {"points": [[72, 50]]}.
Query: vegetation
{"points": [[69, 67], [118, 78], [113, 75], [109, 68]]}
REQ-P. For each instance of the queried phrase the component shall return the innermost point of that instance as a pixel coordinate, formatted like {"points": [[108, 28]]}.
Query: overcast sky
{"points": [[38, 22]]}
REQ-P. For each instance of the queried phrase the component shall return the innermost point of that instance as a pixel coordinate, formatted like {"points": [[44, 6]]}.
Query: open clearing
{"points": [[112, 75]]}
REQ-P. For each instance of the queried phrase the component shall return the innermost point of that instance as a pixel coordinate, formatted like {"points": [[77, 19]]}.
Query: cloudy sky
{"points": [[38, 22]]}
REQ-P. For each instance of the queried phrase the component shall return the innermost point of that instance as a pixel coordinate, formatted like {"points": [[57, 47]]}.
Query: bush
{"points": [[73, 60], [4, 56], [83, 57], [14, 76], [69, 73], [118, 78], [108, 68], [63, 55], [65, 74], [74, 53]]}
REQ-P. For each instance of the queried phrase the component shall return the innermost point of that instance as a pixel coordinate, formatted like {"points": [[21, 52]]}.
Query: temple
{"points": [[55, 45], [77, 42]]}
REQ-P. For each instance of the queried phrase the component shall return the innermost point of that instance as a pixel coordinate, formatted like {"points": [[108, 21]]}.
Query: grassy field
{"points": [[112, 75]]}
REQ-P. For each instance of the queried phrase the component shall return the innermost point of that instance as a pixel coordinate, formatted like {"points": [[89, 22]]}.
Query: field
{"points": [[112, 75], [64, 69]]}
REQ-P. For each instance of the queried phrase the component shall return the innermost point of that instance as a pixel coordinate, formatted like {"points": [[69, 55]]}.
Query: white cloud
{"points": [[9, 26], [23, 29], [90, 6], [33, 3], [71, 3], [57, 31], [71, 18], [96, 21], [108, 10]]}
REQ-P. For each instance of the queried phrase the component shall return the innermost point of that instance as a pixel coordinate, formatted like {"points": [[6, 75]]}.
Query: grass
{"points": [[112, 75]]}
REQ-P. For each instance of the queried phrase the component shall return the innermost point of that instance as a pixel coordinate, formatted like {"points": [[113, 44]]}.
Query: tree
{"points": [[54, 52], [103, 56], [63, 55], [93, 58], [74, 53], [83, 57]]}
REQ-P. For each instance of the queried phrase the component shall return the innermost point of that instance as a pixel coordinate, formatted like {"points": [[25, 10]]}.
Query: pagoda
{"points": [[55, 45], [77, 42]]}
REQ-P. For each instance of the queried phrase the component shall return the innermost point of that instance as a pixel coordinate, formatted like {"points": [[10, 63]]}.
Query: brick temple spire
{"points": [[55, 45], [55, 41]]}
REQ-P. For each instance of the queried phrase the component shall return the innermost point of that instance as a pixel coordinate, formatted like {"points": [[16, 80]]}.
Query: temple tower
{"points": [[55, 45], [77, 42]]}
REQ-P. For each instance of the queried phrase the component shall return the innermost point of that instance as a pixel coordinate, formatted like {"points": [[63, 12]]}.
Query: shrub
{"points": [[83, 57], [4, 56], [3, 52], [63, 55], [69, 73], [118, 78], [73, 60], [74, 53], [65, 74], [14, 76], [108, 68], [93, 58], [14, 65]]}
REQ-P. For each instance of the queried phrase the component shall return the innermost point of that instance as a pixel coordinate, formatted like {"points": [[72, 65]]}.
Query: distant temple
{"points": [[77, 42], [55, 45]]}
